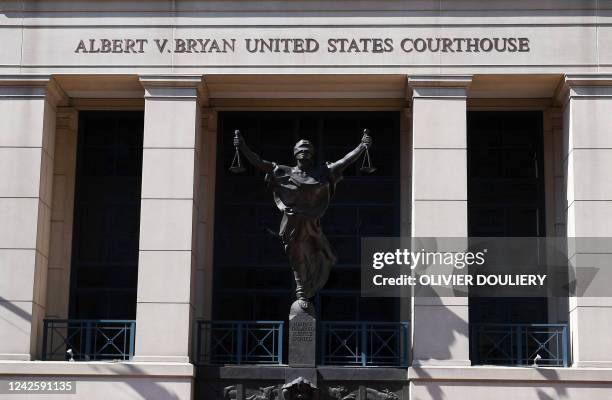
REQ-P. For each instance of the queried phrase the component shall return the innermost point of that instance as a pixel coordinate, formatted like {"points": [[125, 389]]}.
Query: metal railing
{"points": [[88, 339], [520, 344], [239, 342], [364, 343]]}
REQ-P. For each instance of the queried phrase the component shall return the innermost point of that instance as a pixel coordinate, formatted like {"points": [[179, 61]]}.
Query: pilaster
{"points": [[27, 148], [439, 208], [587, 150], [168, 219]]}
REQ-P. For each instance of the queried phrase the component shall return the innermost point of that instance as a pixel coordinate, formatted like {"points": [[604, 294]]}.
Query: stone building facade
{"points": [[184, 69]]}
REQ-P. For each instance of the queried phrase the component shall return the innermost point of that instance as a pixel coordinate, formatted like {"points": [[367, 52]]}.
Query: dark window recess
{"points": [[107, 215], [505, 174], [252, 277], [506, 197]]}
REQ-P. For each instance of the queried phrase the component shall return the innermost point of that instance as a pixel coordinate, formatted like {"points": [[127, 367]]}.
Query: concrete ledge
{"points": [[328, 373], [97, 368], [363, 373], [265, 372], [510, 374]]}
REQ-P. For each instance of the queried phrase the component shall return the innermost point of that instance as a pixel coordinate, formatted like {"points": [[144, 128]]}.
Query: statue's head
{"points": [[303, 150]]}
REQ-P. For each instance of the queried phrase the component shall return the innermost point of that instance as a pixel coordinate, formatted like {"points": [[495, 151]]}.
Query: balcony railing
{"points": [[87, 339], [239, 342], [364, 343], [520, 344]]}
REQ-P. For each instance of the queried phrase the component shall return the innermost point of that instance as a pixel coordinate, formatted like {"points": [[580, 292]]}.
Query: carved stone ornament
{"points": [[342, 393], [385, 394], [264, 393], [299, 389], [229, 393]]}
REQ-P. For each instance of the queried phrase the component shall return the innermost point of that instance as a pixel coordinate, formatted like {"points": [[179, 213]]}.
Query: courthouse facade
{"points": [[135, 264]]}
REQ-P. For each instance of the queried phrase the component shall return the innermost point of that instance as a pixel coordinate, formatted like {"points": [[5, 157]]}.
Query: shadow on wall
{"points": [[448, 337], [26, 316], [552, 376], [436, 393], [146, 387], [440, 335]]}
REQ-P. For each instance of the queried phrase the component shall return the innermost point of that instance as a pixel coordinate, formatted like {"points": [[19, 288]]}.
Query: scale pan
{"points": [[237, 169]]}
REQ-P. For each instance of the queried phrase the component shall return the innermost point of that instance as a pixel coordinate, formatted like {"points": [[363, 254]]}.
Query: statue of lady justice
{"points": [[303, 194]]}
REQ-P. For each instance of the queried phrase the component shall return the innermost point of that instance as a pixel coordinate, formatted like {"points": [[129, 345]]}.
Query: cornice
{"points": [[174, 87], [462, 81], [583, 86], [438, 86], [32, 86]]}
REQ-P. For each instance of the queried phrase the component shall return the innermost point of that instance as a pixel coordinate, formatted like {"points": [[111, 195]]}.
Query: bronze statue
{"points": [[303, 194]]}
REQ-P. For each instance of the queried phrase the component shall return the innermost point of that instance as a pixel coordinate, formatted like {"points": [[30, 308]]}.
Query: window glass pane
{"points": [[107, 215], [506, 197]]}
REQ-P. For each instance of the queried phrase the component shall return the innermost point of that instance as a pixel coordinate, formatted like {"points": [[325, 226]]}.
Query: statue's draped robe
{"points": [[303, 199]]}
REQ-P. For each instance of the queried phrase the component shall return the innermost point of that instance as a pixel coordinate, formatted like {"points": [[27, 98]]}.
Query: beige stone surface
{"points": [[17, 271], [22, 120], [430, 119], [16, 329], [163, 332], [168, 218], [592, 117], [589, 219], [439, 174], [508, 390], [484, 382], [439, 218], [164, 276], [10, 51], [62, 211], [19, 218], [28, 162], [564, 36], [170, 124], [593, 166], [578, 49], [168, 173], [440, 330], [589, 198], [441, 335], [101, 380], [26, 153], [165, 224]]}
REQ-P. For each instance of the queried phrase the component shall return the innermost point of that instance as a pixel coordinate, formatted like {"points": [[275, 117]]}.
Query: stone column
{"points": [[587, 101], [405, 196], [27, 140], [439, 208], [206, 215], [168, 218], [62, 213]]}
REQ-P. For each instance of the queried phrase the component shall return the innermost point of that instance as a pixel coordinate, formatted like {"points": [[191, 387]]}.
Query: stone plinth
{"points": [[302, 336]]}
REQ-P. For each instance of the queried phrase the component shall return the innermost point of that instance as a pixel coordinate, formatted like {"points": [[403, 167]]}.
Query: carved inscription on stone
{"points": [[302, 331]]}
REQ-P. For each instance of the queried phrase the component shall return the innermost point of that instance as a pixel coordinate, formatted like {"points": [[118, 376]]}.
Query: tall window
{"points": [[506, 197], [107, 215], [253, 280]]}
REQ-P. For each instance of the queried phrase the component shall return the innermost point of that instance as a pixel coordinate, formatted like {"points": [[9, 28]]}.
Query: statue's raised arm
{"points": [[353, 155], [254, 158]]}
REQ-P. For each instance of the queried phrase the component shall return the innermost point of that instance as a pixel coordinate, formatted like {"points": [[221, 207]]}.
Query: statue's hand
{"points": [[366, 139], [238, 139]]}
